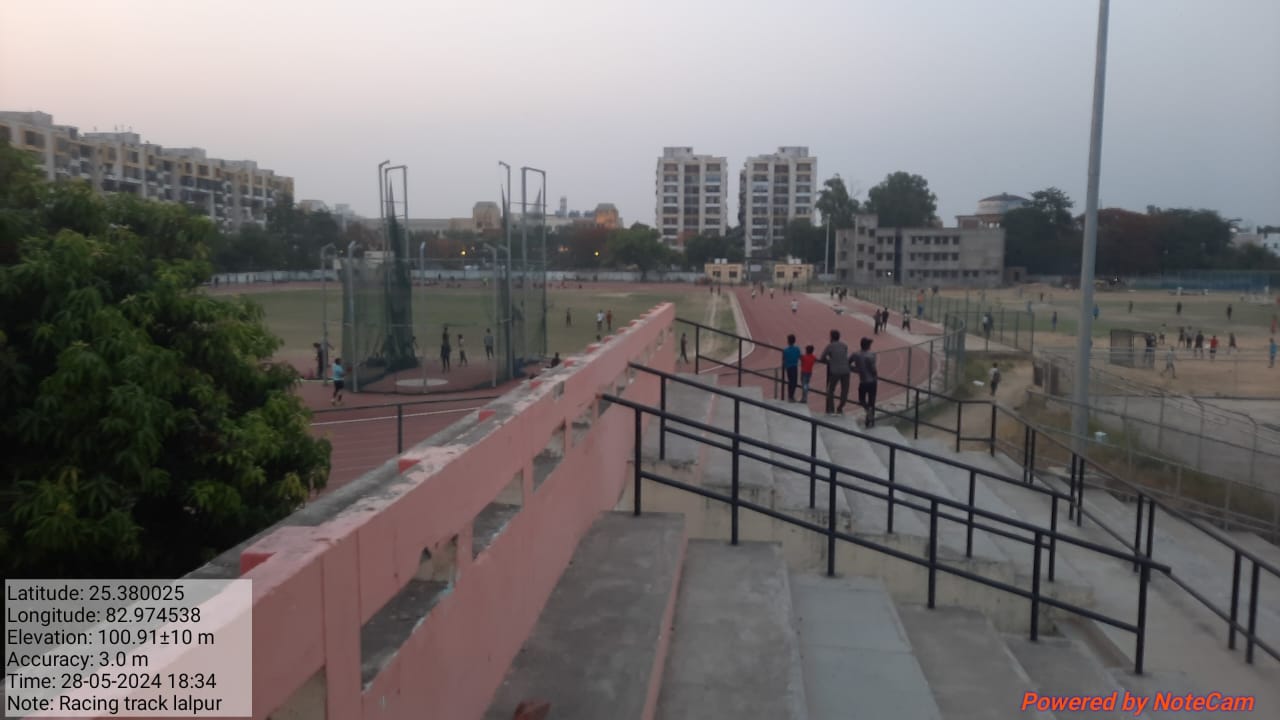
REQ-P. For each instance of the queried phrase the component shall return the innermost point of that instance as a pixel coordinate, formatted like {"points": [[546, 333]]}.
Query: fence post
{"points": [[1035, 591], [916, 431], [813, 462], [893, 471], [909, 354], [1151, 525], [930, 383], [1235, 600], [831, 524], [968, 534], [697, 347], [739, 362], [1253, 614], [1137, 532], [399, 428], [737, 447], [933, 550], [992, 441], [959, 423], [662, 419], [1053, 537], [635, 463], [1141, 641]]}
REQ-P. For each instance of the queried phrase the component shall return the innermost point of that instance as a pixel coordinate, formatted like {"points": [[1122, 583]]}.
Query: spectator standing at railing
{"points": [[807, 361], [864, 362], [791, 367], [836, 357]]}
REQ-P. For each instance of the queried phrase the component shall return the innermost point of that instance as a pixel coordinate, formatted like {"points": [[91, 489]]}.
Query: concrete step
{"points": [[870, 514], [957, 481], [686, 401], [858, 662], [915, 472], [734, 651], [599, 645], [1060, 668], [971, 672], [791, 490], [755, 478]]}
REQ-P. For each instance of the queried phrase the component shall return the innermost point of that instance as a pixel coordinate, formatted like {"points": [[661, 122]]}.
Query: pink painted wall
{"points": [[314, 587]]}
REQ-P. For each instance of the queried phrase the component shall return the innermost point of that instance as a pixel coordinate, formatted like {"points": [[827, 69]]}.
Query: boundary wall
{"points": [[549, 454]]}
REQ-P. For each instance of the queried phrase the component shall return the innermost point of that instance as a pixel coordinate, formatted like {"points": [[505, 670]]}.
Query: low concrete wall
{"points": [[317, 585]]}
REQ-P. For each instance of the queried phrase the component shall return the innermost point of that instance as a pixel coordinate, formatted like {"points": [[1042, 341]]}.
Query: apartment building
{"points": [[690, 191], [867, 254], [229, 192], [775, 189]]}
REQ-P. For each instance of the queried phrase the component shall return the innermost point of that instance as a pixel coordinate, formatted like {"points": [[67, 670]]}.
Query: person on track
{"points": [[488, 344], [795, 306], [836, 357], [864, 362], [338, 384], [462, 352], [791, 367]]}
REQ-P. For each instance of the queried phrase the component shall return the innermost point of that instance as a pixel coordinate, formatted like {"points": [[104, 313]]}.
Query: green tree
{"points": [[639, 246], [144, 429], [803, 240], [1043, 236], [902, 200], [702, 249], [836, 205]]}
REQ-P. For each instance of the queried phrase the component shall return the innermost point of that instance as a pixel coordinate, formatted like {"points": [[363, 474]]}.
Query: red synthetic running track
{"points": [[770, 320]]}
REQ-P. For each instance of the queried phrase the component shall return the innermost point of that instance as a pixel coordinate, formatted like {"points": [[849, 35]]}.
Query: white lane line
{"points": [[393, 417]]}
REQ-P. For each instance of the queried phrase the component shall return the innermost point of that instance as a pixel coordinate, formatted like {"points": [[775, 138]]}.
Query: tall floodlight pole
{"points": [[324, 313], [542, 210], [826, 248], [1084, 345], [351, 309], [506, 216], [382, 201], [524, 264]]}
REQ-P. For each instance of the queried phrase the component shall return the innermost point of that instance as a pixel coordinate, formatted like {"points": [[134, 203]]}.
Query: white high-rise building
{"points": [[690, 191], [776, 189]]}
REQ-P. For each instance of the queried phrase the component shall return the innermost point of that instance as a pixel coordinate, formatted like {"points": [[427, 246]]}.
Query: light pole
{"points": [[506, 217], [1084, 346], [382, 202], [324, 312], [542, 210], [351, 311]]}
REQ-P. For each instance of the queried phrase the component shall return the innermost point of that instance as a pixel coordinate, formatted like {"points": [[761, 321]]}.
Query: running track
{"points": [[770, 320]]}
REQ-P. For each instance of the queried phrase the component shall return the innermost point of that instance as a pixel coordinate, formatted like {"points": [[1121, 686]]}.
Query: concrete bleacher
{"points": [[501, 563]]}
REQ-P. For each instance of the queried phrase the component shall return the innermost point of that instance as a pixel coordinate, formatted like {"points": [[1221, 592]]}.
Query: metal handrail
{"points": [[1145, 564], [1079, 465]]}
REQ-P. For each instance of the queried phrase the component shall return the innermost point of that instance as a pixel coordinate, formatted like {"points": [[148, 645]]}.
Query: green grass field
{"points": [[296, 314]]}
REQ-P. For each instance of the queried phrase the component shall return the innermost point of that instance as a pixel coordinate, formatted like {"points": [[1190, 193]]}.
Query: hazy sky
{"points": [[979, 96]]}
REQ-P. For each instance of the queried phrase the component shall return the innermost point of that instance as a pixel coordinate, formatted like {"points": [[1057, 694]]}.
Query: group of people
{"points": [[881, 318], [798, 369], [761, 288], [603, 318]]}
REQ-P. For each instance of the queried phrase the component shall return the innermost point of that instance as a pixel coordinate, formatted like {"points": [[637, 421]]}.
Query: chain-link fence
{"points": [[993, 324]]}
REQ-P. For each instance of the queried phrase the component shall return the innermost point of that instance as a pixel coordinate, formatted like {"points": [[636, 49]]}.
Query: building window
{"points": [[33, 139]]}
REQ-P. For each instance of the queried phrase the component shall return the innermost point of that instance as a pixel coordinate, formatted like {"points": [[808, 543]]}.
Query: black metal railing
{"points": [[1078, 466], [937, 507], [399, 415]]}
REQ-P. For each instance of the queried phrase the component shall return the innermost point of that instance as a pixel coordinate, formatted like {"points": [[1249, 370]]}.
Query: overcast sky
{"points": [[979, 96]]}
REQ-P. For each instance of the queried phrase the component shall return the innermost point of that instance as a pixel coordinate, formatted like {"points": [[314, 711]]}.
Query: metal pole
{"points": [[506, 216], [1088, 258], [324, 313], [542, 234], [351, 309], [826, 250], [524, 266], [382, 202]]}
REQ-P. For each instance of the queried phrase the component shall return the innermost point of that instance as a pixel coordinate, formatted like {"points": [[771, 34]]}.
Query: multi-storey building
{"points": [[867, 254], [776, 189], [230, 192], [690, 192]]}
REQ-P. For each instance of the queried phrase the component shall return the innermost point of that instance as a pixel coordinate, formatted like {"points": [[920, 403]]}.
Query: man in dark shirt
{"points": [[836, 357], [868, 379]]}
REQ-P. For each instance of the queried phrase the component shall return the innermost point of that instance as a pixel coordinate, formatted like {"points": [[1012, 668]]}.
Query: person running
{"points": [[488, 344], [599, 320], [462, 352], [1168, 364], [608, 319], [1213, 347], [906, 321], [807, 361], [836, 357], [339, 373], [993, 377], [791, 367], [868, 380], [795, 306], [684, 347]]}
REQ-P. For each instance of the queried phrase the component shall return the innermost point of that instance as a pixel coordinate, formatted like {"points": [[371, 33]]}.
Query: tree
{"points": [[1056, 206], [803, 240], [1043, 236], [836, 205], [144, 431], [638, 246], [702, 249], [902, 200]]}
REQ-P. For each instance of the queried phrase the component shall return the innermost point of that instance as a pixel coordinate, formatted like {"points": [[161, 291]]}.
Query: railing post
{"points": [[831, 524], [916, 431], [933, 550], [1026, 450], [1140, 643], [1035, 591], [739, 362], [813, 463], [662, 419], [697, 347], [1053, 537], [968, 530], [1235, 600], [737, 448], [959, 423], [909, 354], [1253, 613], [1080, 465], [399, 428], [1151, 525], [1031, 466], [992, 441], [893, 471], [1071, 489], [1137, 532], [635, 461]]}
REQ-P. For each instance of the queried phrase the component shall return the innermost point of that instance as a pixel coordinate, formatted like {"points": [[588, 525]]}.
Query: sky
{"points": [[978, 96]]}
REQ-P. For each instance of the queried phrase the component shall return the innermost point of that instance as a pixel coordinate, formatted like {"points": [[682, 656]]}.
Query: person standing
{"points": [[836, 357], [319, 360], [599, 320], [1178, 309], [1273, 349], [568, 317], [1231, 344], [807, 361], [608, 319], [993, 377], [1168, 364], [791, 367], [1229, 311], [462, 352], [1130, 307], [795, 306], [488, 344], [445, 350], [868, 380], [1213, 347], [684, 347], [1053, 322], [339, 375], [1199, 351]]}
